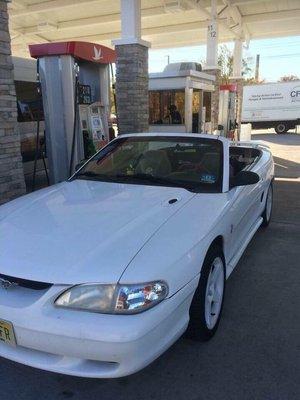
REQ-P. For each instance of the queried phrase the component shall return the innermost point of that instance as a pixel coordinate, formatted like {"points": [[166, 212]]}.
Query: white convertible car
{"points": [[101, 274]]}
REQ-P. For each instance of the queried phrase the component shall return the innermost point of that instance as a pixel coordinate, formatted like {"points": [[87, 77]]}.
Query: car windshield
{"points": [[195, 164]]}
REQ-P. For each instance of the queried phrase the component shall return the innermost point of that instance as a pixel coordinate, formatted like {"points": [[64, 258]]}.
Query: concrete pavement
{"points": [[254, 356]]}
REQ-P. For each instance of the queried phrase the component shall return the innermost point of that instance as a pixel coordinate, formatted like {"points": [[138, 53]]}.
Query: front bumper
{"points": [[89, 344]]}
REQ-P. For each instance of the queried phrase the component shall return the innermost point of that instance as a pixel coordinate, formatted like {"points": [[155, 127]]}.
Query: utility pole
{"points": [[257, 67]]}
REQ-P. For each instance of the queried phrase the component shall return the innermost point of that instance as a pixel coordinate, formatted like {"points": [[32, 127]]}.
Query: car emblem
{"points": [[5, 284]]}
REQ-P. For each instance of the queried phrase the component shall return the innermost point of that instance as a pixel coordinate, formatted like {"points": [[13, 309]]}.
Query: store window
{"points": [[166, 107], [196, 101], [207, 105], [30, 106]]}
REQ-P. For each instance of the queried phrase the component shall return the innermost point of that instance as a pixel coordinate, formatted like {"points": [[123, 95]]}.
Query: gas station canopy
{"points": [[165, 23]]}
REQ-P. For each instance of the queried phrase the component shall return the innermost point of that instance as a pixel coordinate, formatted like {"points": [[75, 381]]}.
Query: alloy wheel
{"points": [[214, 293]]}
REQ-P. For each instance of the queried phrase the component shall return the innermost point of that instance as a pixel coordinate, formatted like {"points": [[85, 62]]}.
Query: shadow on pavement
{"points": [[288, 139], [286, 168]]}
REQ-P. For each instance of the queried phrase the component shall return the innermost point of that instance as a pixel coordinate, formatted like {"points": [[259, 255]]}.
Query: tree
{"points": [[225, 62], [253, 81], [288, 78]]}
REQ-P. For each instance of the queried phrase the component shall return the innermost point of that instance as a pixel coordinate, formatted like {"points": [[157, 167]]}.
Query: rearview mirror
{"points": [[244, 178]]}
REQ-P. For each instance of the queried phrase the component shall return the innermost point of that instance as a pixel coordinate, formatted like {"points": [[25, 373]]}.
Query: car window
{"points": [[193, 163], [242, 158]]}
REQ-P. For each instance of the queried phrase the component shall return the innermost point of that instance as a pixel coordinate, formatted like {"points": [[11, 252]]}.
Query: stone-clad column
{"points": [[214, 97], [11, 169], [132, 88], [132, 71]]}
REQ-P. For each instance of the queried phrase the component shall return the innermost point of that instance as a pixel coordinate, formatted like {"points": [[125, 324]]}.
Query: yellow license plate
{"points": [[7, 333]]}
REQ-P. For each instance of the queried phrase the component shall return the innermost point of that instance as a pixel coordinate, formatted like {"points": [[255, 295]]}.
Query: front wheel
{"points": [[207, 304]]}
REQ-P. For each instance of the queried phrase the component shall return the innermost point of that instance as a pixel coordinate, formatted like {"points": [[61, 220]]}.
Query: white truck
{"points": [[272, 105]]}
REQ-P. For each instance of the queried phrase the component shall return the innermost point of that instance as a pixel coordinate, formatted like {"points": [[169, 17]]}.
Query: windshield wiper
{"points": [[87, 173], [94, 176], [156, 180], [144, 178]]}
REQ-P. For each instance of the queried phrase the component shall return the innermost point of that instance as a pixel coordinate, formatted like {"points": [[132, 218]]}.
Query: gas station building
{"points": [[122, 32]]}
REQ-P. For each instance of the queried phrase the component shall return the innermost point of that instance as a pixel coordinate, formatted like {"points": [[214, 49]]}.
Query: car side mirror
{"points": [[244, 178]]}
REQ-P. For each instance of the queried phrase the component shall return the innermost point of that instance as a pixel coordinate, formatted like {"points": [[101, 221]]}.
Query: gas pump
{"points": [[75, 85], [94, 125], [227, 109]]}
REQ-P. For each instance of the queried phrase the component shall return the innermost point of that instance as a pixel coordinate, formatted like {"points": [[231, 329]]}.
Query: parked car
{"points": [[99, 275]]}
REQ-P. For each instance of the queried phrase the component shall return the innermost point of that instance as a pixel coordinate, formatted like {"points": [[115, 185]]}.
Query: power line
{"points": [[282, 55]]}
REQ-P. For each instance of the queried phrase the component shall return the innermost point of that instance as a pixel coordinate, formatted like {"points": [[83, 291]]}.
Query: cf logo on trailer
{"points": [[295, 92], [5, 284]]}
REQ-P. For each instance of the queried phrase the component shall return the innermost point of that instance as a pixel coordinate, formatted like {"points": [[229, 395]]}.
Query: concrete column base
{"points": [[12, 182], [132, 88], [215, 97]]}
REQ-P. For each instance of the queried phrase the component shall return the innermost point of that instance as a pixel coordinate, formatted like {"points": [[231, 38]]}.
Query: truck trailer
{"points": [[272, 105]]}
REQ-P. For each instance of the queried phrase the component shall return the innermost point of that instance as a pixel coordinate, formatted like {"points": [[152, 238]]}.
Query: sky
{"points": [[278, 57]]}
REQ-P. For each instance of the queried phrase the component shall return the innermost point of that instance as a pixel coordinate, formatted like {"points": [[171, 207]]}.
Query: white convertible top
{"points": [[253, 143], [183, 135]]}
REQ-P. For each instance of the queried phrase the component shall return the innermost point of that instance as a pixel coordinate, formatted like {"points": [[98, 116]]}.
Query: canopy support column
{"points": [[212, 38], [212, 63], [237, 59], [132, 71]]}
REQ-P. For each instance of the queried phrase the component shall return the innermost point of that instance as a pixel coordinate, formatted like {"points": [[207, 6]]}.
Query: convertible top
{"points": [[257, 144], [181, 134], [253, 144]]}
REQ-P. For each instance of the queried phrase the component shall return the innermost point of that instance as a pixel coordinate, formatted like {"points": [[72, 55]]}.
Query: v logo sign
{"points": [[97, 54]]}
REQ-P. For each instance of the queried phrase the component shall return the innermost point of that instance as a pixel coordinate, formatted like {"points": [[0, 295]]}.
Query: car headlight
{"points": [[113, 299]]}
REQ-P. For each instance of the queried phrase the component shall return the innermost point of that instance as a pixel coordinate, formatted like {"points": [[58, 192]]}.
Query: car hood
{"points": [[82, 231]]}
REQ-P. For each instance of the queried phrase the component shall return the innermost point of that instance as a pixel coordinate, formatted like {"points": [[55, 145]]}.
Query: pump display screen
{"points": [[84, 94]]}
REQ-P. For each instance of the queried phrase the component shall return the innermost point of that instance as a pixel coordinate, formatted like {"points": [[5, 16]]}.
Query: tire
{"points": [[281, 128], [203, 324], [267, 213]]}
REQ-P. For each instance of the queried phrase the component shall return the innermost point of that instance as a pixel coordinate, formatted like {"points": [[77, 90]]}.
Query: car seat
{"points": [[154, 162], [210, 163]]}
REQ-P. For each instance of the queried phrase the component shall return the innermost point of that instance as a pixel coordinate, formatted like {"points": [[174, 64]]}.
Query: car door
{"points": [[243, 212]]}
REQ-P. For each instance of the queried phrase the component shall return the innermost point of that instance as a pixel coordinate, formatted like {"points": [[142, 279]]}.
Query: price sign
{"points": [[84, 94]]}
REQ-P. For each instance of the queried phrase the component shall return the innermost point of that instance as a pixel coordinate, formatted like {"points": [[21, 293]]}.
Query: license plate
{"points": [[7, 333]]}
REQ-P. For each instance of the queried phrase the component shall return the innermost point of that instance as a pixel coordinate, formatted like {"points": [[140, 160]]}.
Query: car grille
{"points": [[34, 285]]}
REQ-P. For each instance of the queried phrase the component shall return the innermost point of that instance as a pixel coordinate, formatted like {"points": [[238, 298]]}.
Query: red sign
{"points": [[231, 87], [82, 50]]}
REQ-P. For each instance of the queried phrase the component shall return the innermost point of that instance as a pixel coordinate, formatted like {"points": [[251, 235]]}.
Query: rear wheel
{"points": [[281, 127], [268, 207], [207, 304]]}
